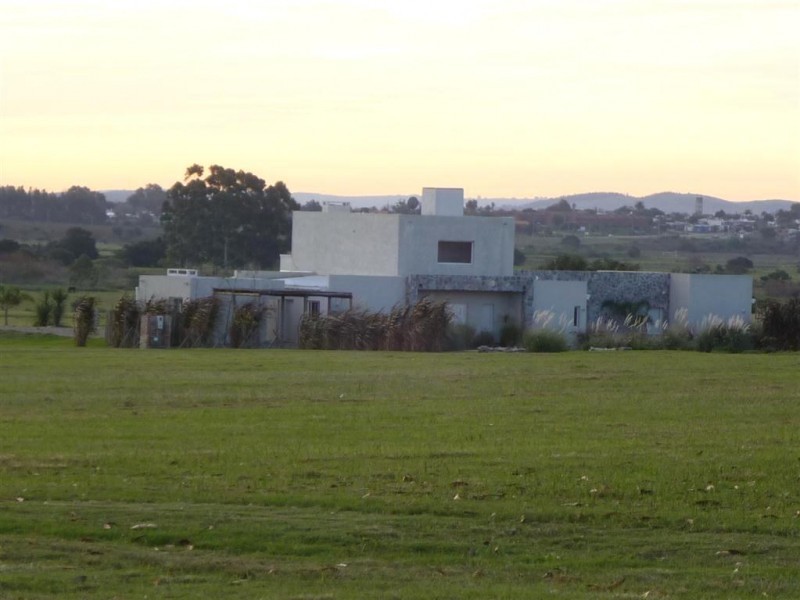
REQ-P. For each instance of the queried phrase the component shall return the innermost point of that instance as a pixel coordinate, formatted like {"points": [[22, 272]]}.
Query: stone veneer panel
{"points": [[619, 286]]}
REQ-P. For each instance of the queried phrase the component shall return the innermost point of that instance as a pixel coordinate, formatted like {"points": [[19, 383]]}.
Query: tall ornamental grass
{"points": [[548, 334], [422, 327]]}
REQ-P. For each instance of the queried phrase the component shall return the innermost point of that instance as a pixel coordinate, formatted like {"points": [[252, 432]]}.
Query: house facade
{"points": [[341, 260]]}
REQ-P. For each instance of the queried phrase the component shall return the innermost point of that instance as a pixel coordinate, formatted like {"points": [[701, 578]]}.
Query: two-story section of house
{"points": [[440, 241], [376, 256]]}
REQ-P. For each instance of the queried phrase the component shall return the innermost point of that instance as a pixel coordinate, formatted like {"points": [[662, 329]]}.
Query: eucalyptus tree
{"points": [[226, 218]]}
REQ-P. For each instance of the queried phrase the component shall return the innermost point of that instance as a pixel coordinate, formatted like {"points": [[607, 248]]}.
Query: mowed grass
{"points": [[292, 474]]}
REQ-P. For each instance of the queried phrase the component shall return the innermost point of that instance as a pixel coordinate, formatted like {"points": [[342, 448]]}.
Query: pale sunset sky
{"points": [[505, 98]]}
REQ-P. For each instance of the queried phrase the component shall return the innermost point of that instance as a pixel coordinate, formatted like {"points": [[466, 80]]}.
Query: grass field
{"points": [[24, 315], [653, 255], [291, 474]]}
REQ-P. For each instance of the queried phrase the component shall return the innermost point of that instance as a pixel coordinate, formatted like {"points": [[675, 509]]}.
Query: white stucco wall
{"points": [[392, 245], [558, 300], [342, 243], [703, 296], [375, 294], [169, 286], [492, 250], [191, 288], [442, 201]]}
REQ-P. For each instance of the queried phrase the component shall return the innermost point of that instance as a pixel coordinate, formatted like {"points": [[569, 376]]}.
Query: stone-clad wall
{"points": [[618, 286], [628, 287], [463, 283]]}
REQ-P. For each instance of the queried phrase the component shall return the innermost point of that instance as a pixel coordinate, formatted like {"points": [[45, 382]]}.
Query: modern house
{"points": [[341, 259]]}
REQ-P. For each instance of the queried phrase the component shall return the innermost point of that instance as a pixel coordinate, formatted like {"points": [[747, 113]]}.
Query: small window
{"points": [[576, 316], [455, 252], [313, 308]]}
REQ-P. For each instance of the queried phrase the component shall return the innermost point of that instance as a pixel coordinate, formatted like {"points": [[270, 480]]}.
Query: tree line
{"points": [[77, 205], [216, 216]]}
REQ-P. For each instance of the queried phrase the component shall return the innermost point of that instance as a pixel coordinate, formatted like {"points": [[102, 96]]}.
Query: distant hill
{"points": [[666, 201], [301, 197]]}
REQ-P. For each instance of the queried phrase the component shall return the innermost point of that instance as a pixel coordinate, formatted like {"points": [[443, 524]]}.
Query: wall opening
{"points": [[455, 252]]}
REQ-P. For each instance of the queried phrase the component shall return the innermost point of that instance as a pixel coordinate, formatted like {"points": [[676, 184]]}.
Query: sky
{"points": [[504, 98]]}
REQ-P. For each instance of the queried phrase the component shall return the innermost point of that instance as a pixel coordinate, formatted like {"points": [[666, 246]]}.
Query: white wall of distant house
{"points": [[377, 294], [705, 296], [560, 305], [344, 243], [492, 242]]}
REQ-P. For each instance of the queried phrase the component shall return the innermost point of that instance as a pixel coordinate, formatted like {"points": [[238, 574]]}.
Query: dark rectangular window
{"points": [[455, 252]]}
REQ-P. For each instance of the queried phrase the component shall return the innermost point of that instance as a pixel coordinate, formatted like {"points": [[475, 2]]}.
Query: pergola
{"points": [[285, 293]]}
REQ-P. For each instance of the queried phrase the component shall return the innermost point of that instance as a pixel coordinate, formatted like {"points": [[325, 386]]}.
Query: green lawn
{"points": [[292, 474], [24, 315]]}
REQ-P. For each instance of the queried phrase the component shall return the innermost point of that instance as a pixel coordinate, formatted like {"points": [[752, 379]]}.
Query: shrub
{"points": [[609, 264], [677, 335], [519, 257], [483, 338], [674, 338], [83, 272], [604, 332], [777, 275], [198, 319], [780, 325], [59, 298], [566, 262], [83, 319], [246, 320], [43, 311], [145, 253], [8, 246], [544, 340], [510, 334], [123, 323], [732, 335], [739, 265], [459, 336]]}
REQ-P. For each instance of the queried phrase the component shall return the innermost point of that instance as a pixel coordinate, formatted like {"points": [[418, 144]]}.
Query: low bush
{"points": [[483, 338], [123, 323], [59, 297], [84, 323], [674, 338], [603, 333], [459, 337], [733, 336], [780, 324], [43, 311], [510, 334], [244, 329], [544, 340]]}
